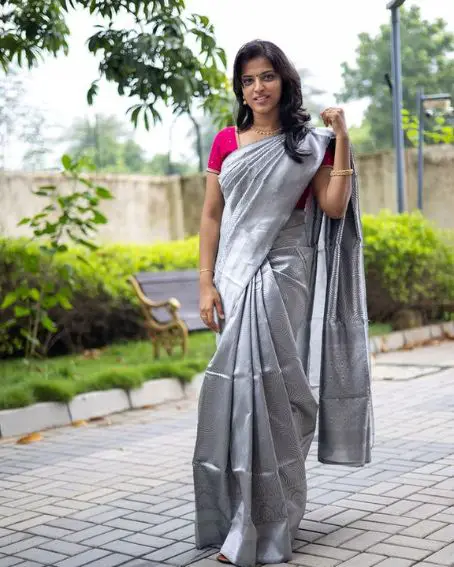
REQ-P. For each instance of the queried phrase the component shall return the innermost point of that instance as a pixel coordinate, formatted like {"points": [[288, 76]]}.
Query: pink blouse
{"points": [[226, 142]]}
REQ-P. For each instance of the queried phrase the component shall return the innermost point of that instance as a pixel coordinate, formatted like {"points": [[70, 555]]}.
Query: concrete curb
{"points": [[22, 421], [411, 338], [37, 417]]}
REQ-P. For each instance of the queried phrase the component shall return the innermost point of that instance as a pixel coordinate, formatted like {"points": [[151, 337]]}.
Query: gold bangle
{"points": [[342, 172], [207, 270]]}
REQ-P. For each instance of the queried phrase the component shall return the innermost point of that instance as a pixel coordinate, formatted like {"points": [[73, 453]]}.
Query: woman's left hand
{"points": [[335, 118]]}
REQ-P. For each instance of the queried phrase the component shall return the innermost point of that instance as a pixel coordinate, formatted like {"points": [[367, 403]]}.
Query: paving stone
{"points": [[398, 551], [414, 542], [339, 537], [395, 562], [27, 563], [365, 540], [85, 558], [328, 551], [64, 547], [151, 540], [363, 560], [443, 557], [106, 537], [445, 534], [77, 537], [41, 555], [189, 557], [307, 560], [128, 548], [169, 551], [110, 560], [169, 526], [423, 529], [9, 561], [144, 517], [21, 545]]}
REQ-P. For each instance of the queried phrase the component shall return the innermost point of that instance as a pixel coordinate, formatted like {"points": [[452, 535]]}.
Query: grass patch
{"points": [[125, 366]]}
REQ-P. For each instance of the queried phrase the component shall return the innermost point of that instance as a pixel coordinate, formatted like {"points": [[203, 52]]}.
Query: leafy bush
{"points": [[409, 264], [105, 309]]}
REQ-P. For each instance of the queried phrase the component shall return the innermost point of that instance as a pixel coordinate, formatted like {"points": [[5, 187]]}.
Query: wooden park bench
{"points": [[170, 304]]}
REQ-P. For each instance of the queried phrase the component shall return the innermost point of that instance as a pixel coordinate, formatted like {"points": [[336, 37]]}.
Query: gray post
{"points": [[397, 102], [420, 107]]}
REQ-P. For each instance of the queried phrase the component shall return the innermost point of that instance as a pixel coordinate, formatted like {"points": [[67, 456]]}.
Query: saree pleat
{"points": [[257, 411]]}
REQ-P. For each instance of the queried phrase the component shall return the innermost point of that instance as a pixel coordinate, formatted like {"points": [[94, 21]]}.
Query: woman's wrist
{"points": [[342, 136], [206, 276]]}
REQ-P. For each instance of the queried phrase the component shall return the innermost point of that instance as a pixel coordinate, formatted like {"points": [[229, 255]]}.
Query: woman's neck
{"points": [[267, 121]]}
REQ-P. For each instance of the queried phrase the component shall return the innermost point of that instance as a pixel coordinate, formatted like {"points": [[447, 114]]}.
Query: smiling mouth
{"points": [[261, 98]]}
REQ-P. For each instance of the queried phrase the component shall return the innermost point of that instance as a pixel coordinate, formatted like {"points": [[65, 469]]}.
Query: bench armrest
{"points": [[171, 304]]}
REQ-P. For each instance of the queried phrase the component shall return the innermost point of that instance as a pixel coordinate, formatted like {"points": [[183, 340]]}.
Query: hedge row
{"points": [[409, 264]]}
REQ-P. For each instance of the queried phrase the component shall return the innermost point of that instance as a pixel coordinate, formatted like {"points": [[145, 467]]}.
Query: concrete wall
{"points": [[147, 209]]}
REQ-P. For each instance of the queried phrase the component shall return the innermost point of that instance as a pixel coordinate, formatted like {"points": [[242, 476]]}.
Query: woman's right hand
{"points": [[209, 301]]}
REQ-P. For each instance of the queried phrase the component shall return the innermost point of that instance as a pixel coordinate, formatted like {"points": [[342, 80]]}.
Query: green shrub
{"points": [[126, 378], [409, 264], [15, 397], [53, 390]]}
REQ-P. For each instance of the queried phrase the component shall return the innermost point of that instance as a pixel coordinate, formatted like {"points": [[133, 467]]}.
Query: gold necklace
{"points": [[265, 132]]}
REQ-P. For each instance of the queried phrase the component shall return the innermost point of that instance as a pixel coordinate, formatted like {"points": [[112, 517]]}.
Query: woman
{"points": [[281, 282]]}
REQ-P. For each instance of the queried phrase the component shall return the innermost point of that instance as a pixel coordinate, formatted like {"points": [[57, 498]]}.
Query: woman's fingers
{"points": [[219, 309]]}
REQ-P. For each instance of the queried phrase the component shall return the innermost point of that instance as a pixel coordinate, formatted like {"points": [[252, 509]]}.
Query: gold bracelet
{"points": [[342, 172], [206, 270]]}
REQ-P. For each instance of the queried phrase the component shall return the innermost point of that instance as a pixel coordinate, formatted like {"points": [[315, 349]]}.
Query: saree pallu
{"points": [[282, 277]]}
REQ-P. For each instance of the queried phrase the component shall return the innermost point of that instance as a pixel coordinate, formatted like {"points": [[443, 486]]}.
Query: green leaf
{"points": [[25, 220], [99, 218], [34, 294], [48, 324], [64, 302], [21, 311], [103, 193], [10, 298], [67, 162]]}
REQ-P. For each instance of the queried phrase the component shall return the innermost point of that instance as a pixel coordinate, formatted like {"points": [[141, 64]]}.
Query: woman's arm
{"points": [[210, 224], [333, 193]]}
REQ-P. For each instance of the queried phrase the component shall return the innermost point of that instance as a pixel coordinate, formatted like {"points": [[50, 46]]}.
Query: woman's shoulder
{"points": [[226, 133]]}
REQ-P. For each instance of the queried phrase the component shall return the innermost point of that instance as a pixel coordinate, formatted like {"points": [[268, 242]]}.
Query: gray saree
{"points": [[292, 286]]}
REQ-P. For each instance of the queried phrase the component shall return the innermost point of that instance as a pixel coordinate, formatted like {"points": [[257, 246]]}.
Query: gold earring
{"points": [[244, 102]]}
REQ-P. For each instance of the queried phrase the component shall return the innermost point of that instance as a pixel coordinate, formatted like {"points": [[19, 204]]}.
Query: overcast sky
{"points": [[317, 35]]}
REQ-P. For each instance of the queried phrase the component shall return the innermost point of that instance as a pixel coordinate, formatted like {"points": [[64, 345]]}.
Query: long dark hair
{"points": [[293, 116]]}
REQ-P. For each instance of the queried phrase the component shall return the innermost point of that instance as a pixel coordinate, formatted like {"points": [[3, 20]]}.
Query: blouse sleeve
{"points": [[328, 159], [215, 160]]}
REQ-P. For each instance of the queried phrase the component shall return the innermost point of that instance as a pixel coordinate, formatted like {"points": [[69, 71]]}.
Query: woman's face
{"points": [[262, 86]]}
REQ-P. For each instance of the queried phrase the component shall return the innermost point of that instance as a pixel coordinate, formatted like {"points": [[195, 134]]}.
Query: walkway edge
{"points": [[22, 421]]}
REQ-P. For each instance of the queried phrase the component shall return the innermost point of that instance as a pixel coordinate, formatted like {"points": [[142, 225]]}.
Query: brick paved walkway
{"points": [[120, 493]]}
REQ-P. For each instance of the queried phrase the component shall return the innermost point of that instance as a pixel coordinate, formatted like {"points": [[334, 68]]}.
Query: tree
{"points": [[107, 142], [150, 61], [361, 138], [310, 95], [19, 121], [161, 165], [426, 62]]}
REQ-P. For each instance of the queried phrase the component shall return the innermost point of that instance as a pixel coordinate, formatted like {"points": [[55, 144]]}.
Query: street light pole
{"points": [[394, 6], [420, 109]]}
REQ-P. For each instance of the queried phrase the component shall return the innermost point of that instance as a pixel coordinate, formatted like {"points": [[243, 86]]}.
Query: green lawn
{"points": [[118, 366]]}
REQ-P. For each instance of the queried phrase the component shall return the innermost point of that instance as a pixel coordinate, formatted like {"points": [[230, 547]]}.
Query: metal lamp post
{"points": [[420, 99], [394, 6]]}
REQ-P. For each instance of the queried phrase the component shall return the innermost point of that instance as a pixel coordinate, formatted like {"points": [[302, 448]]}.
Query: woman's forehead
{"points": [[257, 65]]}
